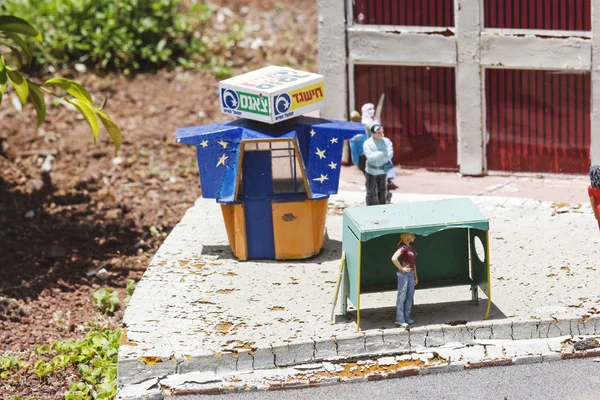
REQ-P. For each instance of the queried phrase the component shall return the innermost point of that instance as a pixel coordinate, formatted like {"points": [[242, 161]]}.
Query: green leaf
{"points": [[19, 83], [16, 55], [21, 43], [88, 113], [111, 127], [10, 23], [73, 88], [37, 99], [3, 78]]}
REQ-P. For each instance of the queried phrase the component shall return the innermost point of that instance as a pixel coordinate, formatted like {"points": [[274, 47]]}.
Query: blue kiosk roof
{"points": [[320, 142]]}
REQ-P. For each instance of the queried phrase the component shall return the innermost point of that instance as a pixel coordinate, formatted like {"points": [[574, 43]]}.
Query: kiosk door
{"points": [[257, 180]]}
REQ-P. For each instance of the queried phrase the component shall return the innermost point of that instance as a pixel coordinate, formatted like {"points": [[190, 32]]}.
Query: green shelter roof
{"points": [[419, 218]]}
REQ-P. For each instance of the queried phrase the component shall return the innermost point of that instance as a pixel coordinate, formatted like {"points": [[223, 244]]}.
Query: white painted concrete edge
{"points": [[375, 343], [451, 357]]}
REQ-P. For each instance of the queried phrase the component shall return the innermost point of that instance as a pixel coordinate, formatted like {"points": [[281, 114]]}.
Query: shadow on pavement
{"points": [[452, 313], [331, 251]]}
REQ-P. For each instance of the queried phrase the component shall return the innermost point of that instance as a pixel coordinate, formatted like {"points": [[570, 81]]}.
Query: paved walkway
{"points": [[198, 309]]}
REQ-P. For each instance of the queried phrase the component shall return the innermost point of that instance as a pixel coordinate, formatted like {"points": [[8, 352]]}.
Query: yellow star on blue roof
{"points": [[321, 179], [332, 165], [204, 143], [334, 140], [320, 153], [222, 143], [222, 160], [312, 132]]}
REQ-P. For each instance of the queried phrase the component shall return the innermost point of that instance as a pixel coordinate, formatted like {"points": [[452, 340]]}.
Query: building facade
{"points": [[470, 85]]}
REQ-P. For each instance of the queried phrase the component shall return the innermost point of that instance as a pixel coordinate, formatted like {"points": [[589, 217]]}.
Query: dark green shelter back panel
{"points": [[443, 260]]}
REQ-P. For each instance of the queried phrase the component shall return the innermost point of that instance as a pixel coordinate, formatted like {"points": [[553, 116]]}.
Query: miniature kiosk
{"points": [[273, 170], [452, 240]]}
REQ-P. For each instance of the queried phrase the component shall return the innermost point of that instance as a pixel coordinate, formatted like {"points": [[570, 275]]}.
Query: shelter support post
{"points": [[474, 294], [336, 291], [359, 283]]}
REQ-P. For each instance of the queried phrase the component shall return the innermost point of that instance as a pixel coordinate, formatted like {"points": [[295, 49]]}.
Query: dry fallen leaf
{"points": [[202, 302], [223, 326], [277, 308], [150, 360]]}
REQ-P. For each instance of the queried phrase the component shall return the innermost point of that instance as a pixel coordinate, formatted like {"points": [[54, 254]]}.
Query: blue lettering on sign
{"points": [[285, 74], [282, 77]]}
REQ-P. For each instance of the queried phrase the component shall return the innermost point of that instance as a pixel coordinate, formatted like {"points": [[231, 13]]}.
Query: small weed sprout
{"points": [[106, 300]]}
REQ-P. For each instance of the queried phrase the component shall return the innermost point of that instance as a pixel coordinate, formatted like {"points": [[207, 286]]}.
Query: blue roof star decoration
{"points": [[218, 149]]}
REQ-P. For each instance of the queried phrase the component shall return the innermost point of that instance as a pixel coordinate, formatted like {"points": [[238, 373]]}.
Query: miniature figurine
{"points": [[371, 116], [368, 115], [594, 191], [378, 151], [356, 144], [405, 261]]}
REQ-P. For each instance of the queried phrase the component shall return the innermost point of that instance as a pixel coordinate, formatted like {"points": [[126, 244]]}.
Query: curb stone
{"points": [[349, 346], [407, 364]]}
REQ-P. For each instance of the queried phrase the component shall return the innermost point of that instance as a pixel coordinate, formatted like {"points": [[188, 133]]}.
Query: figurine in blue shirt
{"points": [[378, 151]]}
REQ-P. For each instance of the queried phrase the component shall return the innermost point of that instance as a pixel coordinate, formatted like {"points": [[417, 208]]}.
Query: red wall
{"points": [[573, 15], [405, 12], [419, 114], [538, 121]]}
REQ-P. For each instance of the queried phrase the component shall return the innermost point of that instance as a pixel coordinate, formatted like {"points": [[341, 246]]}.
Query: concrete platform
{"points": [[198, 310]]}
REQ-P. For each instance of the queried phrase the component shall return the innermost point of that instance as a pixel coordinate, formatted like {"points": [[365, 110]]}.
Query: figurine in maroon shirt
{"points": [[405, 260], [594, 191]]}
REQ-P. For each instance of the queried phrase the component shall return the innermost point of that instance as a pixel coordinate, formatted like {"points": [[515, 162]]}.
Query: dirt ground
{"points": [[93, 210]]}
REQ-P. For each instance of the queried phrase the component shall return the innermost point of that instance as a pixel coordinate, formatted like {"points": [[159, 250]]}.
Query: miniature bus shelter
{"points": [[447, 235]]}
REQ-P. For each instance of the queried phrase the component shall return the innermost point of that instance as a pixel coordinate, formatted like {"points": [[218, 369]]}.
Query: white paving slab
{"points": [[197, 305]]}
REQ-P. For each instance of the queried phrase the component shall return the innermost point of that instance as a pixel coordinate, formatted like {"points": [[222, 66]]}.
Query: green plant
{"points": [[116, 34], [94, 357], [13, 45], [130, 290], [8, 365], [106, 299]]}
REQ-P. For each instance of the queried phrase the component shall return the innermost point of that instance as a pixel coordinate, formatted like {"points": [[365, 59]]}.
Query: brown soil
{"points": [[94, 211]]}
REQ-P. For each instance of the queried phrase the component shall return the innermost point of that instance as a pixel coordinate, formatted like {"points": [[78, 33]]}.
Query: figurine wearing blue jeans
{"points": [[405, 261]]}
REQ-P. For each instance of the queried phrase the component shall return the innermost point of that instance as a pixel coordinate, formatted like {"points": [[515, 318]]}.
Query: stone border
{"points": [[359, 345], [480, 354]]}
